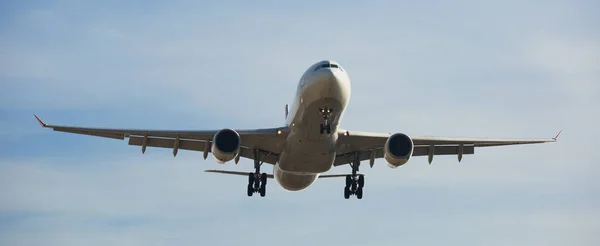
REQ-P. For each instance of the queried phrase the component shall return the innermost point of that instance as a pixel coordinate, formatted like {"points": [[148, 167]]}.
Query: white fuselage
{"points": [[308, 152]]}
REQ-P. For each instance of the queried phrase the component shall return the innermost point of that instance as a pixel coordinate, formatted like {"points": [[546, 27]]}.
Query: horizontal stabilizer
{"points": [[335, 175], [234, 173], [271, 175]]}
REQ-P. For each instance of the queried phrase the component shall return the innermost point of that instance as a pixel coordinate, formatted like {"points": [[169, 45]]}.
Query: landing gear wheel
{"points": [[359, 193], [250, 178], [361, 181], [346, 192], [325, 128], [262, 191], [263, 179], [348, 180], [250, 190]]}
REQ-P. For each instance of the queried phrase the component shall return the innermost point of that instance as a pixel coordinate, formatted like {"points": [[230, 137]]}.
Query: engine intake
{"points": [[398, 149], [226, 145]]}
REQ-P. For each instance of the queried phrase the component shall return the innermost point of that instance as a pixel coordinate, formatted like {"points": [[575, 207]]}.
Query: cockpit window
{"points": [[327, 65]]}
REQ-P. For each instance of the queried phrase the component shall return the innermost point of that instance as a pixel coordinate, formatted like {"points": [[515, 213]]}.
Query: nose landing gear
{"points": [[326, 114], [325, 128], [257, 182]]}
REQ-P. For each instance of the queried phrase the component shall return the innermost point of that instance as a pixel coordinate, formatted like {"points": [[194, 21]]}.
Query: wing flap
{"points": [[267, 157], [364, 155], [443, 150], [370, 145], [168, 143], [477, 142], [196, 145], [350, 141]]}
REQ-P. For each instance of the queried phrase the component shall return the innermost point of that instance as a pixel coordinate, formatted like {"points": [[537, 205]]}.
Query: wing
{"points": [[268, 141], [369, 146]]}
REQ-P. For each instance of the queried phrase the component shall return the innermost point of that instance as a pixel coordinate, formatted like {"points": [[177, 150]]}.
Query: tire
{"points": [[250, 190], [348, 180], [262, 190], [328, 129], [263, 179], [361, 181], [250, 178], [346, 192], [322, 129], [359, 193]]}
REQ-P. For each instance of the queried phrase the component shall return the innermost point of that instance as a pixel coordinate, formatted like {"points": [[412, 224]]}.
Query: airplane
{"points": [[309, 144]]}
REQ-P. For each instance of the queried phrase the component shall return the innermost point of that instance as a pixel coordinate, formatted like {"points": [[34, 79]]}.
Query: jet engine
{"points": [[226, 145], [398, 149]]}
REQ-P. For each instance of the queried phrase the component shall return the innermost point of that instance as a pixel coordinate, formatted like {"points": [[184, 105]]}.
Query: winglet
{"points": [[557, 135], [39, 121]]}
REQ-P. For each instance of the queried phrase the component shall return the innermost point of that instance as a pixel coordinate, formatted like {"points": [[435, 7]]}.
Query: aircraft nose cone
{"points": [[328, 76], [329, 82]]}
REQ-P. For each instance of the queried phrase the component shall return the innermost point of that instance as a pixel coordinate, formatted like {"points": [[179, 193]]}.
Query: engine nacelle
{"points": [[398, 149], [226, 145]]}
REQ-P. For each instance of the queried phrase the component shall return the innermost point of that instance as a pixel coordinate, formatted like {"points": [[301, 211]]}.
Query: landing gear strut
{"points": [[257, 182], [325, 126], [354, 182]]}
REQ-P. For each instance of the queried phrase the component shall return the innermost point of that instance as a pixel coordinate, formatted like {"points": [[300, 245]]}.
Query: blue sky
{"points": [[459, 68]]}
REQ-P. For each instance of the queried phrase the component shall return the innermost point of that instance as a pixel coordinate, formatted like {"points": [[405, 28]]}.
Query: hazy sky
{"points": [[445, 68]]}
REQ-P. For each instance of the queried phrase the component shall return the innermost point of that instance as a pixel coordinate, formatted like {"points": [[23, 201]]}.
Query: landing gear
{"points": [[346, 192], [355, 187], [359, 193], [250, 189], [257, 182], [354, 182], [325, 126]]}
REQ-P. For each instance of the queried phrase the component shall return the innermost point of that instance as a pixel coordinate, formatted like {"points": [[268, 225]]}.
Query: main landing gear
{"points": [[257, 182], [325, 126], [354, 182]]}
